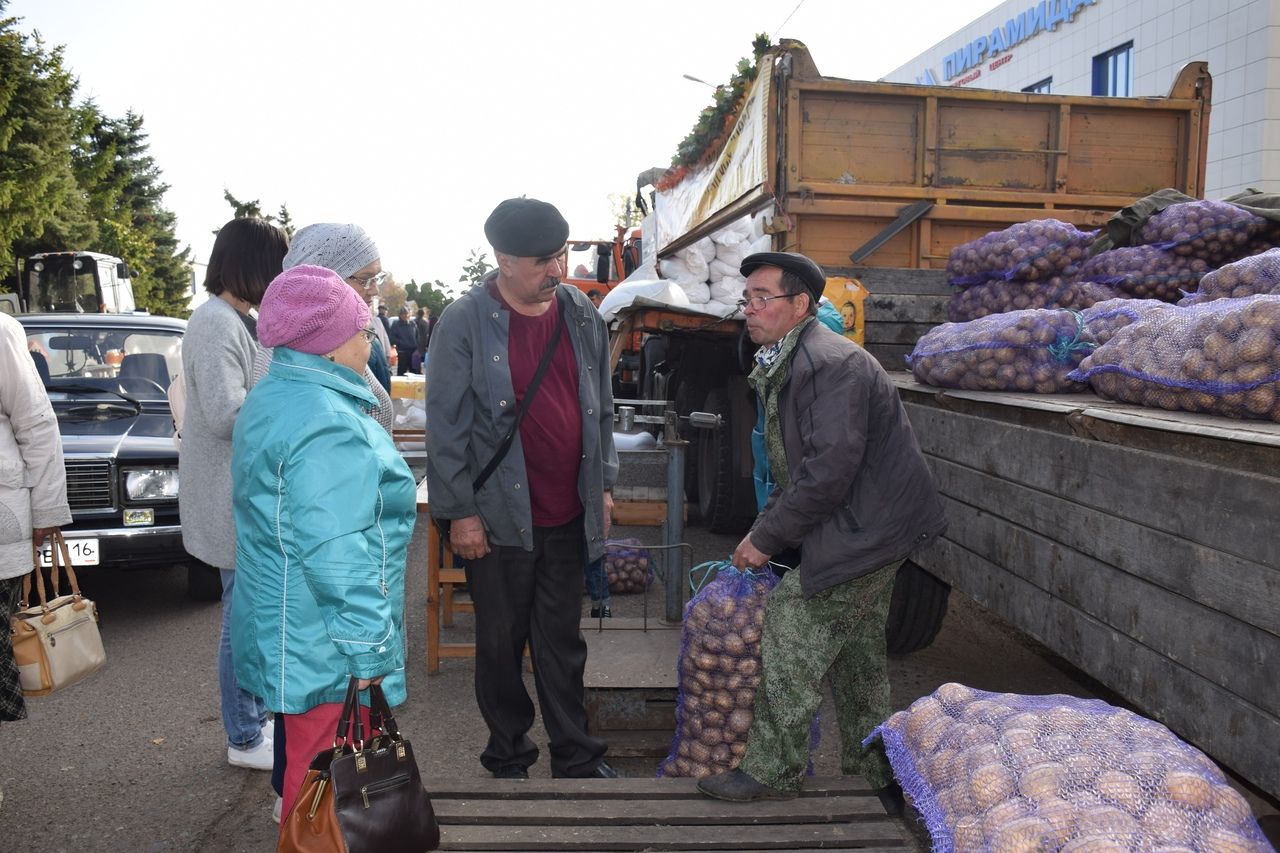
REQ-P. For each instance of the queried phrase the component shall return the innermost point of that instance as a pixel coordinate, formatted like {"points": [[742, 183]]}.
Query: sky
{"points": [[414, 119]]}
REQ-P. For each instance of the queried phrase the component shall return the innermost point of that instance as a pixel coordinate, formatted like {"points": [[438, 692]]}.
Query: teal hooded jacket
{"points": [[324, 511]]}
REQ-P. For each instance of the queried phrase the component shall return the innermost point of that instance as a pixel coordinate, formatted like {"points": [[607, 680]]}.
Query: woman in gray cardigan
{"points": [[217, 366]]}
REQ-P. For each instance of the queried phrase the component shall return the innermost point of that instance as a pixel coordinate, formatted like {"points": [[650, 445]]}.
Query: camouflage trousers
{"points": [[836, 634]]}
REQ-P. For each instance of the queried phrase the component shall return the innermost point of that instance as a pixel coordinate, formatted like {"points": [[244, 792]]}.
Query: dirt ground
{"points": [[974, 648]]}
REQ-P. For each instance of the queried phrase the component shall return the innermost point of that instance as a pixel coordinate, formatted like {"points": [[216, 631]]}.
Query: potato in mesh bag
{"points": [[1214, 231], [628, 566], [1145, 272], [1028, 251], [1000, 297], [1002, 771], [1255, 276], [718, 672], [1221, 357], [1104, 319], [1030, 351]]}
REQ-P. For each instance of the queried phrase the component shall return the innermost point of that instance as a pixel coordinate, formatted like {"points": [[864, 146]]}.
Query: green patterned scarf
{"points": [[773, 364]]}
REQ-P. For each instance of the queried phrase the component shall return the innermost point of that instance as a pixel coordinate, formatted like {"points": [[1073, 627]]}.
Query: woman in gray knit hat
{"points": [[351, 253]]}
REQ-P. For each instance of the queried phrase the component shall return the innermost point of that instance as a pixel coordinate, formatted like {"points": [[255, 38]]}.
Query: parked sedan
{"points": [[108, 378]]}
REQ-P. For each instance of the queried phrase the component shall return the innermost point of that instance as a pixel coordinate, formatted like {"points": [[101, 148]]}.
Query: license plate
{"points": [[84, 552]]}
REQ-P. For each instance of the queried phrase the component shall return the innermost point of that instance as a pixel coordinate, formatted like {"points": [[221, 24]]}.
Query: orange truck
{"points": [[1136, 543], [596, 266]]}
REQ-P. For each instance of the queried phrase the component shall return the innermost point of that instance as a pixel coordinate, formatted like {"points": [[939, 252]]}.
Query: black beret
{"points": [[526, 228], [810, 273]]}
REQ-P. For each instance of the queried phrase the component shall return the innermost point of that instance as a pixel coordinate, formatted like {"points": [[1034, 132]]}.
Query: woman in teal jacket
{"points": [[324, 510]]}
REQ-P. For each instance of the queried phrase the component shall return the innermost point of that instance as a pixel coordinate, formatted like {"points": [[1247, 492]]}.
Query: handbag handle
{"points": [[57, 548], [380, 712], [349, 704], [56, 538]]}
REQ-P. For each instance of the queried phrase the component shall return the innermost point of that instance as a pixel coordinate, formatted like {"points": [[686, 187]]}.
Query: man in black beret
{"points": [[520, 391], [852, 498]]}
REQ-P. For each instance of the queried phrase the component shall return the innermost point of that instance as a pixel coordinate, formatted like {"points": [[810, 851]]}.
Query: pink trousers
{"points": [[304, 736]]}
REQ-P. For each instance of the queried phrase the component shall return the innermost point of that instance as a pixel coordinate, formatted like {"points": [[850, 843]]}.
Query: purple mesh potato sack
{"points": [[628, 566], [1002, 771], [1221, 357], [1029, 251], [1258, 275], [1214, 231], [1001, 297], [1145, 272], [719, 670], [1029, 351], [1104, 319]]}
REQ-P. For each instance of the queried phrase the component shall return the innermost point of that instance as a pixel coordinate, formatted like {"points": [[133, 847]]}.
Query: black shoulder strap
{"points": [[529, 393]]}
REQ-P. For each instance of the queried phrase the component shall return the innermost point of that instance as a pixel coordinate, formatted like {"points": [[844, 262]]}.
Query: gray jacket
{"points": [[33, 481], [217, 365], [860, 494], [470, 407]]}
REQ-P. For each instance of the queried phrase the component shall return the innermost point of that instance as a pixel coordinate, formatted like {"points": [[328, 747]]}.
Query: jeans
{"points": [[243, 714], [597, 582]]}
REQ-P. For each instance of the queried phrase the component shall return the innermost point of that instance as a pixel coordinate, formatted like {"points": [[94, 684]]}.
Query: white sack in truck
{"points": [[698, 293], [728, 290], [720, 270]]}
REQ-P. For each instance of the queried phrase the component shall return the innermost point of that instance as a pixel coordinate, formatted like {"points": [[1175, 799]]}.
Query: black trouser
{"points": [[404, 360], [533, 596]]}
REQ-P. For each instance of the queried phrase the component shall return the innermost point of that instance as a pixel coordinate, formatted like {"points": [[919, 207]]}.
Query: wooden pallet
{"points": [[659, 815]]}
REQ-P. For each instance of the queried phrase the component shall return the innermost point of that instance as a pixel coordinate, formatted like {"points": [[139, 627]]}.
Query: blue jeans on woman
{"points": [[243, 714]]}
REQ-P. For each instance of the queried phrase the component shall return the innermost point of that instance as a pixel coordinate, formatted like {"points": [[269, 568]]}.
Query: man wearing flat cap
{"points": [[520, 391], [852, 498]]}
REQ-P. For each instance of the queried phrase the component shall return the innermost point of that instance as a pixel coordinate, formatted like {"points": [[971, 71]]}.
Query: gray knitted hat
{"points": [[340, 247]]}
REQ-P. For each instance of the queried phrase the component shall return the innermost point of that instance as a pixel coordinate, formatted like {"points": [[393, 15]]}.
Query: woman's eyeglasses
{"points": [[369, 281]]}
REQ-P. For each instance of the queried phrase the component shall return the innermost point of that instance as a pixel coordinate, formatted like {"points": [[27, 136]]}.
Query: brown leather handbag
{"points": [[361, 797]]}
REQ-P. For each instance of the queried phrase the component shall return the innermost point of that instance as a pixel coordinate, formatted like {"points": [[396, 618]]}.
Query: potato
{"points": [[1219, 840], [1043, 782], [626, 565], [1120, 788], [1187, 789], [1165, 823], [953, 696], [968, 834], [991, 784], [1061, 816], [1229, 807], [1109, 822], [1025, 835], [1100, 843]]}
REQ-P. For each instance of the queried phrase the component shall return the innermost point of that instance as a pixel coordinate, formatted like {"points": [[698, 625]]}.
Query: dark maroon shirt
{"points": [[551, 432]]}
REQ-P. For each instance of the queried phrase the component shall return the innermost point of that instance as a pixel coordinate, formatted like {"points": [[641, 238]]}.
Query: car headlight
{"points": [[151, 484]]}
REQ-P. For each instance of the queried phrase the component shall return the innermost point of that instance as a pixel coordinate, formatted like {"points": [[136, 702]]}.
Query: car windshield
{"points": [[139, 362]]}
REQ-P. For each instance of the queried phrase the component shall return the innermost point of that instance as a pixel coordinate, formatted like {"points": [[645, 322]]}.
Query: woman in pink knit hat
{"points": [[324, 510]]}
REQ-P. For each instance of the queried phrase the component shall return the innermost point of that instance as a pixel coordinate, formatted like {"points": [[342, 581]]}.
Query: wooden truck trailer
{"points": [[1138, 544]]}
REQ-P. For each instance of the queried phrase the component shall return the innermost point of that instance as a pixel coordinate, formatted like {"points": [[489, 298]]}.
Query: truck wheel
{"points": [[204, 582], [916, 610], [715, 468]]}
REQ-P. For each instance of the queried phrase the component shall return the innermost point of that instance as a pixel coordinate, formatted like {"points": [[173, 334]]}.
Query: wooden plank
{"points": [[1163, 492], [694, 811], [895, 333], [1219, 722], [895, 280], [1238, 588], [836, 836], [906, 308], [890, 356], [642, 513], [1230, 653], [485, 787]]}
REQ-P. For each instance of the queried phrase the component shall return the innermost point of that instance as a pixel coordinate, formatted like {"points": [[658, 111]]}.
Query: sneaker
{"points": [[601, 612], [269, 730], [260, 757], [275, 809]]}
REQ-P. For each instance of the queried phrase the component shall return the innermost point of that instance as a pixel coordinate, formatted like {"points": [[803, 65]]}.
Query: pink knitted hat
{"points": [[310, 309]]}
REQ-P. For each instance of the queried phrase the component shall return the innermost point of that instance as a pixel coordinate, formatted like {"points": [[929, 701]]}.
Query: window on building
{"points": [[1113, 72], [1044, 87]]}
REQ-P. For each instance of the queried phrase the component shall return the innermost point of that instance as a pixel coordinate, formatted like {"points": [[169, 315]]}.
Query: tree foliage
{"points": [[431, 294], [74, 179], [475, 268], [715, 122], [253, 208]]}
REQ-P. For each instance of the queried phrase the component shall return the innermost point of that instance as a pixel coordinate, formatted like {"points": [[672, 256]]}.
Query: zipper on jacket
{"points": [[384, 785]]}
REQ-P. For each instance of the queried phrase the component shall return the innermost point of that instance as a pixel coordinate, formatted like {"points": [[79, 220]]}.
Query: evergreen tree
{"points": [[41, 206]]}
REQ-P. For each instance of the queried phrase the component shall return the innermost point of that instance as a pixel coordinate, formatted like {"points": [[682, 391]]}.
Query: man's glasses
{"points": [[757, 303], [369, 281]]}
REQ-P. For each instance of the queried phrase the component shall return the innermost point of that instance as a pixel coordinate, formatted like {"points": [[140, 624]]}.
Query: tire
{"points": [[204, 582], [916, 610], [715, 468]]}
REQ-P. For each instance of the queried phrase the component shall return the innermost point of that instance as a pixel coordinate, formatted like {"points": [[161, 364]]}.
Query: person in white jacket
{"points": [[33, 489]]}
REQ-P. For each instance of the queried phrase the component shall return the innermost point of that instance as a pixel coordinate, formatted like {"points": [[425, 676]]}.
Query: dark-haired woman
{"points": [[217, 364]]}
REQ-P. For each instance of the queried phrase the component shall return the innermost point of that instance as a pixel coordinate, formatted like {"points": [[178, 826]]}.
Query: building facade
{"points": [[1133, 47]]}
